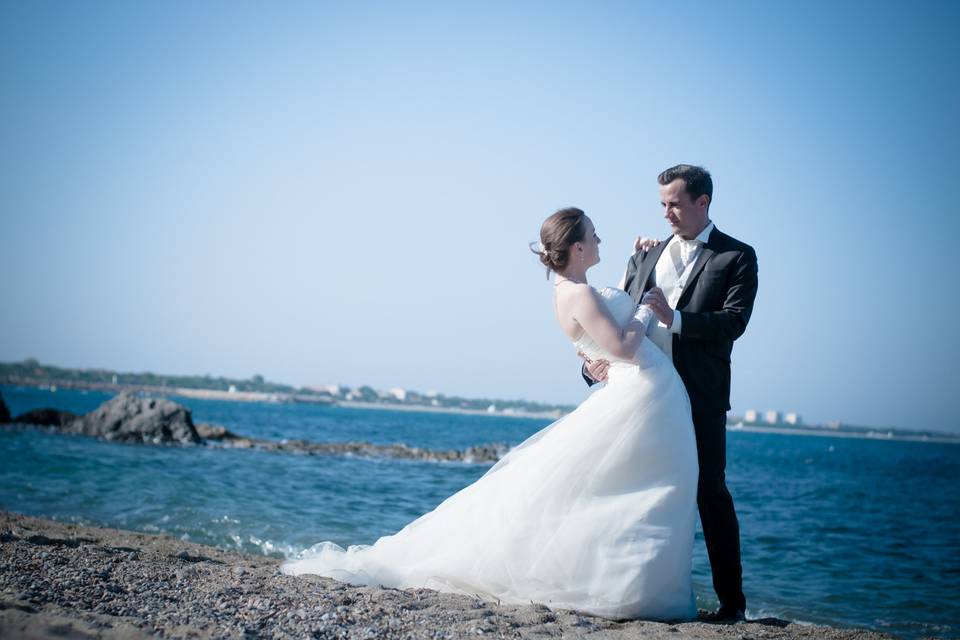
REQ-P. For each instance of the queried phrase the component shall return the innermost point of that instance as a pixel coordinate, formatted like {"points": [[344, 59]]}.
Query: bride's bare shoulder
{"points": [[574, 289], [573, 301], [575, 294]]}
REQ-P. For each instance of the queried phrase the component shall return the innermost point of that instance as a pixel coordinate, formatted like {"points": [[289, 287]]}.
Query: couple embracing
{"points": [[596, 512]]}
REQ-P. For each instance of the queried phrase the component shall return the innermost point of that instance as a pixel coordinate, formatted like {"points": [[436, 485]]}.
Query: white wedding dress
{"points": [[595, 512]]}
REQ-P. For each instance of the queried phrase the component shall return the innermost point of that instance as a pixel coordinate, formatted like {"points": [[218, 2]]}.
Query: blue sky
{"points": [[325, 193]]}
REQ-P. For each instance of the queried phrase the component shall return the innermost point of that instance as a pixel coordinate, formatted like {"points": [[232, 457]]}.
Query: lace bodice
{"points": [[622, 307]]}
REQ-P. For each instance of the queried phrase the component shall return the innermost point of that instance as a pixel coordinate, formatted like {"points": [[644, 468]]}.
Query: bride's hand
{"points": [[596, 368], [645, 244]]}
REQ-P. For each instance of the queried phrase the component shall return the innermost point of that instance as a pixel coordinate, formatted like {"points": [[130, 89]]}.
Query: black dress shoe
{"points": [[727, 613]]}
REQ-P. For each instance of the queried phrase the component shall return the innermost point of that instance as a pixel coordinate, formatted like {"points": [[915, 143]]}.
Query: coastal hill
{"points": [[32, 373]]}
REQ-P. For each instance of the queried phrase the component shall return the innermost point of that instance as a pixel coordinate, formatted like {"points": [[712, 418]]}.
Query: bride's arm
{"points": [[594, 317]]}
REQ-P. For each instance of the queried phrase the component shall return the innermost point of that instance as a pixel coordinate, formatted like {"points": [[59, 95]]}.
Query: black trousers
{"points": [[721, 531]]}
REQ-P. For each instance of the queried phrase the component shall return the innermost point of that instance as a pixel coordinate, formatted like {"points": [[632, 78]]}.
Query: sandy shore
{"points": [[67, 581]]}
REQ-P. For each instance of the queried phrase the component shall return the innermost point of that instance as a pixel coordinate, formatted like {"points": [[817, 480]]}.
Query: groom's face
{"points": [[686, 217]]}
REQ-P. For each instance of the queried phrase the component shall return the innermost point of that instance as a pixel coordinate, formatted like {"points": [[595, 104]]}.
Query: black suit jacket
{"points": [[714, 310]]}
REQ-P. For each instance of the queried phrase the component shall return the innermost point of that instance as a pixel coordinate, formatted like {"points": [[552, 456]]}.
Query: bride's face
{"points": [[589, 246]]}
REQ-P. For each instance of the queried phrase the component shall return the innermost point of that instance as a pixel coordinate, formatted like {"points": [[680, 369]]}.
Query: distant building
{"points": [[793, 418], [492, 408], [398, 394], [324, 389], [232, 389], [751, 415], [333, 389], [772, 417]]}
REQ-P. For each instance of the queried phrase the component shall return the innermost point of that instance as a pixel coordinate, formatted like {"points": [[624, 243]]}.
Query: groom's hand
{"points": [[597, 369], [658, 303]]}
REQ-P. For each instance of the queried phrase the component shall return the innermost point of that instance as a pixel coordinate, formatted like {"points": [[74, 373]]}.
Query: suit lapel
{"points": [[707, 252], [647, 267]]}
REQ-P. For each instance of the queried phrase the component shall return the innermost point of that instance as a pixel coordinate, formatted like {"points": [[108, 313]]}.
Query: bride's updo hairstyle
{"points": [[558, 233]]}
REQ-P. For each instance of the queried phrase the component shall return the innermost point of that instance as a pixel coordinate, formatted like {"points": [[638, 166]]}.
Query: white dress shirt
{"points": [[671, 274]]}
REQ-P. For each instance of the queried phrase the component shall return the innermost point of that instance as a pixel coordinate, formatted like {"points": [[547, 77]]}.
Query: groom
{"points": [[701, 284]]}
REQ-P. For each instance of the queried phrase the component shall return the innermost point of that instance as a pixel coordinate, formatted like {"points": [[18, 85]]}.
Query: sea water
{"points": [[845, 532]]}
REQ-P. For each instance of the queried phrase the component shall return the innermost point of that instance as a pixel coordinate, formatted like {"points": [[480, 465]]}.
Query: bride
{"points": [[595, 512]]}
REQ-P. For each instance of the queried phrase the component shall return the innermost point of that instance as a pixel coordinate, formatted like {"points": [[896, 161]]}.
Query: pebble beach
{"points": [[61, 580]]}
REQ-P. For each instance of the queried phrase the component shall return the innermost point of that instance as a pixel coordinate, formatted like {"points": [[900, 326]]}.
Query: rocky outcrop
{"points": [[131, 418], [46, 418], [215, 432], [4, 412], [478, 454], [126, 417]]}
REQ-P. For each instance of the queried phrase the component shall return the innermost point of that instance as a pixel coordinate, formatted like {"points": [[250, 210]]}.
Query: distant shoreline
{"points": [[871, 435], [275, 398], [281, 398], [353, 404]]}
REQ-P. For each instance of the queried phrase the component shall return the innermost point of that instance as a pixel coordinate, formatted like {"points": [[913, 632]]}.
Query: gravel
{"points": [[60, 580]]}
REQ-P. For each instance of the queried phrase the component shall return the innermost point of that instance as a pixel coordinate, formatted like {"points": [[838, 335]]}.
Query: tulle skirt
{"points": [[595, 513]]}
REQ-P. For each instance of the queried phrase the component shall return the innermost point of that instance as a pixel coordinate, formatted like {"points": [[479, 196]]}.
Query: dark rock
{"points": [[46, 417], [477, 454], [209, 431], [4, 412], [183, 555], [42, 540], [480, 454], [131, 418]]}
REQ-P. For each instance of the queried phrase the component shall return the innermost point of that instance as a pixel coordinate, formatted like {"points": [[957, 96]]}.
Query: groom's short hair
{"points": [[697, 179]]}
